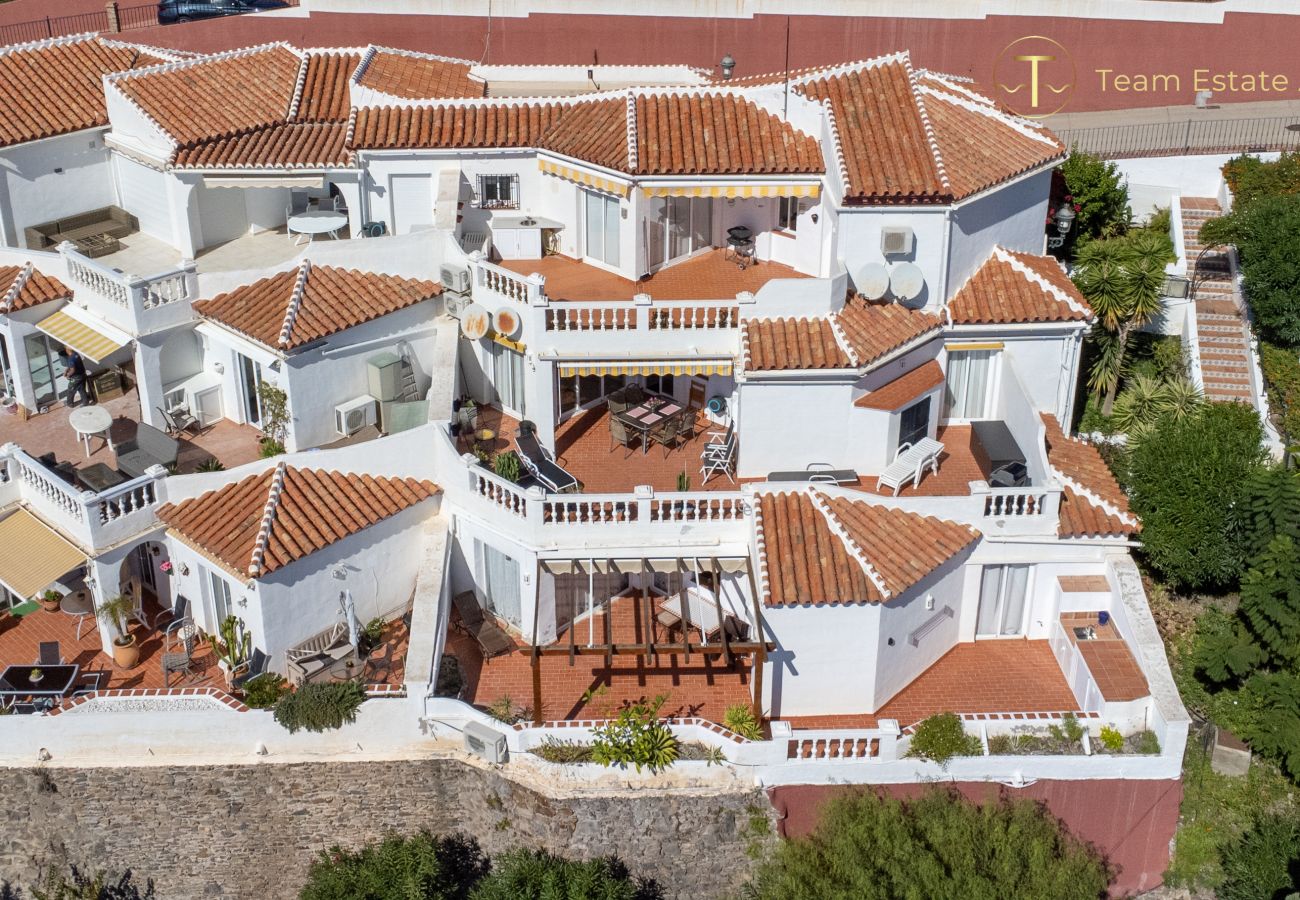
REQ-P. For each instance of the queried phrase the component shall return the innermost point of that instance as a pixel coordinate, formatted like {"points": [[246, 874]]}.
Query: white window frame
{"points": [[508, 371], [608, 202], [787, 214], [490, 601], [990, 392], [1027, 602], [211, 602], [665, 225]]}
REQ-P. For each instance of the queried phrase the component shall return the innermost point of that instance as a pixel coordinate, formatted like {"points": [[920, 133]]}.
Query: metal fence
{"points": [[128, 19], [1178, 138]]}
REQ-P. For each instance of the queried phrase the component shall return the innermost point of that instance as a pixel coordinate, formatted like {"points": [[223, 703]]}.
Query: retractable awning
{"points": [[590, 179], [265, 181], [88, 334], [32, 555], [731, 191], [659, 367]]}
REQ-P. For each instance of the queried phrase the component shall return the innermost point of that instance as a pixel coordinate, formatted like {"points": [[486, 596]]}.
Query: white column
{"points": [[148, 381], [187, 232]]}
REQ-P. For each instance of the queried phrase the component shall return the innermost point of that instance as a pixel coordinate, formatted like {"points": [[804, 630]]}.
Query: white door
{"points": [[144, 195], [411, 197], [208, 406]]}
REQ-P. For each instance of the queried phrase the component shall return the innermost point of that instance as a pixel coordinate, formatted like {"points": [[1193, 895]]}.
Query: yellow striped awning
{"points": [[32, 555], [672, 367], [590, 179], [89, 335], [517, 346], [734, 190]]}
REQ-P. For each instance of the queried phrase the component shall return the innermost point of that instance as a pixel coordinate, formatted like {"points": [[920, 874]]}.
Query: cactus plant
{"points": [[233, 644]]}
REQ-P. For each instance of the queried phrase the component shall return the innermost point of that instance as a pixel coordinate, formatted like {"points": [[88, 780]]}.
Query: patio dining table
{"points": [[650, 413], [55, 681]]}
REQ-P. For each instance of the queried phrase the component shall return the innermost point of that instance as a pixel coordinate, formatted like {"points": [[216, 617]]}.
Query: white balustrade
{"points": [[697, 507], [48, 490], [589, 509], [1004, 502], [500, 492], [526, 289], [123, 500], [135, 303], [658, 316]]}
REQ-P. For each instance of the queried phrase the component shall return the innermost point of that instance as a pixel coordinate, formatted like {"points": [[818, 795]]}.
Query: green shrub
{"points": [[503, 709], [419, 867], [636, 737], [507, 465], [698, 751], [320, 707], [211, 464], [566, 752], [1281, 369], [537, 875], [1251, 178], [77, 884], [1098, 191], [1069, 731], [1111, 739], [938, 845], [941, 737], [739, 718], [265, 690], [1265, 863], [1187, 479], [1148, 743], [271, 448], [1267, 236]]}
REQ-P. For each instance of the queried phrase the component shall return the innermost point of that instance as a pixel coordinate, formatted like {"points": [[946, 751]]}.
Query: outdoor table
{"points": [[700, 604], [56, 681], [91, 420], [316, 221], [80, 605], [99, 477], [648, 414]]}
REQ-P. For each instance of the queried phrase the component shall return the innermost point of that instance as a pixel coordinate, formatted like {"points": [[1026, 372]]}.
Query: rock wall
{"points": [[252, 831]]}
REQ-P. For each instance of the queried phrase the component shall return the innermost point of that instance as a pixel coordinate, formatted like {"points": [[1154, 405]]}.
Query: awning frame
{"points": [[70, 326], [39, 561], [570, 368]]}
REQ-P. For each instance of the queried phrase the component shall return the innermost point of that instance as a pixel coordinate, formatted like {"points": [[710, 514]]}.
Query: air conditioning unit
{"points": [[352, 416], [485, 743], [454, 304], [454, 278], [896, 241]]}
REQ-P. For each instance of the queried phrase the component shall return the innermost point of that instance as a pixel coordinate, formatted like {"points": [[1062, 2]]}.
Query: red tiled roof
{"points": [[217, 97], [417, 77], [774, 344], [903, 389], [293, 308], [805, 560], [1002, 292], [1081, 464], [54, 88], [22, 287], [1080, 517], [312, 510], [874, 330], [594, 131], [287, 144], [489, 125], [324, 95]]}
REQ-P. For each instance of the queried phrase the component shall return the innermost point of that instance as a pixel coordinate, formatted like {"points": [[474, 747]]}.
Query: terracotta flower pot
{"points": [[49, 605], [126, 653]]}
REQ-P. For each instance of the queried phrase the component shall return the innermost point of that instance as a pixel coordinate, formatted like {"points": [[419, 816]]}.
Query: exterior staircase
{"points": [[1221, 327]]}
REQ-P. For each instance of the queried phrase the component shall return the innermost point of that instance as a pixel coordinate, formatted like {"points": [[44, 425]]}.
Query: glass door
{"points": [[48, 383], [250, 376], [1002, 601], [602, 227], [500, 578], [508, 379], [676, 228], [914, 423], [970, 383], [6, 380]]}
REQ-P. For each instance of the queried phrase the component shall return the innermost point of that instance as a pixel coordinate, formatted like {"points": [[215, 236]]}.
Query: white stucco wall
{"points": [[1191, 176], [859, 243], [789, 424], [49, 179], [899, 663], [824, 663], [1012, 216]]}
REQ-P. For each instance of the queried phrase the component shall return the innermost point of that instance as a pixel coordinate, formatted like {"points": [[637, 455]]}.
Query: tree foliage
{"points": [[320, 707], [1251, 179], [1189, 480], [535, 875], [1267, 236], [419, 867], [1100, 195], [79, 884], [1265, 863], [938, 845]]}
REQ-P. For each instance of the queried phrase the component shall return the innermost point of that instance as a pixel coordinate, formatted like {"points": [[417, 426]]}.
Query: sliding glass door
{"points": [[250, 379], [601, 227], [970, 383], [48, 383], [677, 227], [1002, 601], [499, 575], [508, 378]]}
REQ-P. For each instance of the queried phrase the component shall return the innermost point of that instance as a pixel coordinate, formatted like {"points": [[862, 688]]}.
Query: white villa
{"points": [[601, 384]]}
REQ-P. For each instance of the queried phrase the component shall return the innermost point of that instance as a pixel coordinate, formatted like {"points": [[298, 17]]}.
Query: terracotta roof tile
{"points": [[489, 125], [330, 301], [55, 87], [313, 510], [1080, 517], [1009, 288], [22, 287], [1081, 464], [415, 76], [323, 95], [805, 557], [979, 149], [217, 97], [291, 145], [594, 131], [874, 330], [904, 389], [774, 344]]}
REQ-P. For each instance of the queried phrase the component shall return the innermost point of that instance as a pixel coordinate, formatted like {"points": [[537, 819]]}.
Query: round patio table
{"points": [[80, 605], [91, 420], [317, 221]]}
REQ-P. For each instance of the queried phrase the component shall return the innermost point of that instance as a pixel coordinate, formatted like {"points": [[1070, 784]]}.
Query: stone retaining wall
{"points": [[251, 831]]}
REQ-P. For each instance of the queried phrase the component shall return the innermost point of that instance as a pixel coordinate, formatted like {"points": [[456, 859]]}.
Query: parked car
{"points": [[170, 11]]}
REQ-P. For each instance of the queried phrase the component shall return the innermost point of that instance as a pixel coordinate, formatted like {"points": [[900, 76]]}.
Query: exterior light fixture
{"points": [[728, 65], [1064, 220]]}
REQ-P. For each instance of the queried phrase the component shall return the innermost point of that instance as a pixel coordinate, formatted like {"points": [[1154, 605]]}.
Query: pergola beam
{"points": [[739, 647]]}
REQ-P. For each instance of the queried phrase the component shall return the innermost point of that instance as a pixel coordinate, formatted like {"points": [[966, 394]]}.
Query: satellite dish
{"points": [[872, 280], [505, 322], [475, 321], [906, 281]]}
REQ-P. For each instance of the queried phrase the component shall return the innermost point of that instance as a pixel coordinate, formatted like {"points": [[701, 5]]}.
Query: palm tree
{"points": [[1122, 280]]}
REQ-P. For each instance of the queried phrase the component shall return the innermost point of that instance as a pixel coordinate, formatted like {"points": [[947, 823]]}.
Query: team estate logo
{"points": [[1035, 76]]}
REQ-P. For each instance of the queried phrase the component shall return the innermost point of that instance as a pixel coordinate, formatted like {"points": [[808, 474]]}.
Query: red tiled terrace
{"points": [[709, 276]]}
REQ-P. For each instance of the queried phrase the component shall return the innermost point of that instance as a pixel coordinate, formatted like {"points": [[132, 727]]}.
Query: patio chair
{"points": [[719, 458], [179, 421], [617, 403], [255, 666], [669, 433], [542, 465], [178, 651], [491, 637], [633, 394], [168, 620], [49, 654], [620, 434], [695, 405], [911, 463]]}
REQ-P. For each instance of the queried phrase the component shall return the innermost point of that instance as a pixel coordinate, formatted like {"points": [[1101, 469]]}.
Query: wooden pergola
{"points": [[648, 648]]}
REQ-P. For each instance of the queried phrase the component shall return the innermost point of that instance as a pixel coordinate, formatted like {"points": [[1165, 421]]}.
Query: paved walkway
{"points": [[1182, 130]]}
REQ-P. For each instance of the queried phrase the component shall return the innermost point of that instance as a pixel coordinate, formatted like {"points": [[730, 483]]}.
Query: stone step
{"points": [[1224, 354], [1224, 375], [1224, 392], [1219, 327], [1218, 308]]}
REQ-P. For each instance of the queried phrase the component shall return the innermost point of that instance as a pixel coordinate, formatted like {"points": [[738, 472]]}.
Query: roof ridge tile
{"points": [[268, 520]]}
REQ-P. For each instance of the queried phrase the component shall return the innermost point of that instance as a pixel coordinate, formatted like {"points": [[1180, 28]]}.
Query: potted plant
{"points": [[36, 676], [117, 612], [50, 600], [232, 645]]}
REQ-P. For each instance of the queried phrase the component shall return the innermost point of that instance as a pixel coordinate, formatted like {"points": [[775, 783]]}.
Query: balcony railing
{"points": [[139, 305], [94, 520], [650, 316]]}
